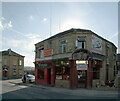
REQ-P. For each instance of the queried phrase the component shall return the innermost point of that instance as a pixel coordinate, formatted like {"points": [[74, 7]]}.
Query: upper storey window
{"points": [[80, 43], [63, 46], [20, 62], [41, 51]]}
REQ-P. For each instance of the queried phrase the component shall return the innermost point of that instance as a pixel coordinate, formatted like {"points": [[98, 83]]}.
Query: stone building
{"points": [[75, 58], [12, 64]]}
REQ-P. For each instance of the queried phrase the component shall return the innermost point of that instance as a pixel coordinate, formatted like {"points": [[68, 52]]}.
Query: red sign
{"points": [[47, 52]]}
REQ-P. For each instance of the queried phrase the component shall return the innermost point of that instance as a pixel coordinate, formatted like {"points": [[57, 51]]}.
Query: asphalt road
{"points": [[15, 89]]}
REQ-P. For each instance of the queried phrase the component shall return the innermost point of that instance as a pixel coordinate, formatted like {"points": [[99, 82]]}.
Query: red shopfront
{"points": [[45, 72], [84, 63]]}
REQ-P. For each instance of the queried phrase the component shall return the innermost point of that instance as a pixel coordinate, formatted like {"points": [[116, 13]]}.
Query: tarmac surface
{"points": [[15, 89]]}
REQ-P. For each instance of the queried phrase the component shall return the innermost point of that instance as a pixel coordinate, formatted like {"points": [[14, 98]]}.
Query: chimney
{"points": [[9, 51]]}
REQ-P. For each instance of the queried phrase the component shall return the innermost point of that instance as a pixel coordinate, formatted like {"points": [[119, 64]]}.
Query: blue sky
{"points": [[24, 24]]}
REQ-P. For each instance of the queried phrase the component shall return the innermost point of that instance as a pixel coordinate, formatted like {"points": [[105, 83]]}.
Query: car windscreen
{"points": [[31, 77]]}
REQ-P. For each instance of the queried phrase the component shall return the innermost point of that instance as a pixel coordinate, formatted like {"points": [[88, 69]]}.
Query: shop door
{"points": [[82, 78], [49, 71]]}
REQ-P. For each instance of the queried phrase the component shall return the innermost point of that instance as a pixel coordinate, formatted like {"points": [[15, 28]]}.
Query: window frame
{"points": [[63, 46], [39, 75]]}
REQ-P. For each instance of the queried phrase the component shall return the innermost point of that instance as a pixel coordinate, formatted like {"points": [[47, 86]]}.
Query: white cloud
{"points": [[1, 25], [32, 36], [28, 48], [10, 24], [14, 43], [5, 24], [2, 18], [31, 17], [29, 58], [72, 23], [44, 19]]}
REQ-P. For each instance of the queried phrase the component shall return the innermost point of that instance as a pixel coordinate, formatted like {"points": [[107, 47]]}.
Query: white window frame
{"points": [[62, 46], [41, 51], [78, 47], [20, 62]]}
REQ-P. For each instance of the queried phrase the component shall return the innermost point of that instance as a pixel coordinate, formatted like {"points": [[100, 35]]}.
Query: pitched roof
{"points": [[10, 52], [73, 30], [65, 32]]}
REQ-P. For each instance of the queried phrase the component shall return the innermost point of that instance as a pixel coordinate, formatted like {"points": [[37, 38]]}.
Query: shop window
{"points": [[62, 73], [41, 73], [96, 70], [63, 46]]}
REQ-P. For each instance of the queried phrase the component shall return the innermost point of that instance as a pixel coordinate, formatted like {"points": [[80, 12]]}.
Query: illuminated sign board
{"points": [[82, 66]]}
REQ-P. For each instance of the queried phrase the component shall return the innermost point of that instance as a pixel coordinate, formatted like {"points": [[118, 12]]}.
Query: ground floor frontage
{"points": [[82, 71], [68, 73]]}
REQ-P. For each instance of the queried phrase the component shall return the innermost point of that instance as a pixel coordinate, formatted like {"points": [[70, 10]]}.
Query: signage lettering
{"points": [[47, 52], [43, 65]]}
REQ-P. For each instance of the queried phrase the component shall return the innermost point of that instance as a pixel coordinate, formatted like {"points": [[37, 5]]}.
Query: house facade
{"points": [[12, 64], [75, 58]]}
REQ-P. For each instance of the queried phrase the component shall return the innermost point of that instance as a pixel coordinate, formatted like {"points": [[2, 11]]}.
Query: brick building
{"points": [[75, 58], [12, 64]]}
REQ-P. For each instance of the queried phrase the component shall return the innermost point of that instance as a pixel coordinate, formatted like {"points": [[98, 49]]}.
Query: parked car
{"points": [[28, 78]]}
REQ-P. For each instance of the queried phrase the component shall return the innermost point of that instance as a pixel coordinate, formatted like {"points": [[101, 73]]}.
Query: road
{"points": [[15, 89]]}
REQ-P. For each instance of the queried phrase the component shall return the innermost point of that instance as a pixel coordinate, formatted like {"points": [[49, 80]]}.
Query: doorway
{"points": [[49, 76], [82, 74]]}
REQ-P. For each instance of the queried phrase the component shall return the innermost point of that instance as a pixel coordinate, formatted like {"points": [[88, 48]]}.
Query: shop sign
{"points": [[82, 66], [96, 44], [47, 52], [43, 65], [81, 54]]}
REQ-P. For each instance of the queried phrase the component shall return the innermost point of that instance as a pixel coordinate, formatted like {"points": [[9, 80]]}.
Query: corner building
{"points": [[75, 58]]}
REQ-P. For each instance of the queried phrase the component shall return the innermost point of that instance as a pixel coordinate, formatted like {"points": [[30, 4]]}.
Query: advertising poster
{"points": [[96, 44]]}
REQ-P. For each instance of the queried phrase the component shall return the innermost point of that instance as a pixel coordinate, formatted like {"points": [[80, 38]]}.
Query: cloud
{"points": [[2, 18], [10, 24], [16, 31], [5, 25], [13, 43], [32, 36], [1, 25], [31, 17], [29, 58], [44, 19]]}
